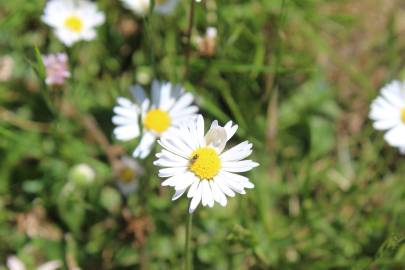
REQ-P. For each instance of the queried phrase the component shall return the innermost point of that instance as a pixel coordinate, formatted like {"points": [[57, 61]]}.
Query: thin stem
{"points": [[188, 36], [187, 249]]}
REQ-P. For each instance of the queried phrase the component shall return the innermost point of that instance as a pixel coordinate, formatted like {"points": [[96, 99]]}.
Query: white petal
{"points": [[183, 102], [200, 130], [187, 181], [206, 196], [164, 162], [174, 180], [52, 265], [239, 166], [14, 263], [230, 130], [167, 144], [127, 112], [237, 152], [219, 196], [196, 199], [396, 136], [168, 172], [145, 145], [224, 187], [155, 93], [240, 179], [193, 189], [138, 93], [125, 133], [122, 120], [178, 194]]}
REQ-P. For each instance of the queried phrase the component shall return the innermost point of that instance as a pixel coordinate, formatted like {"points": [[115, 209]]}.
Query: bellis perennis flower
{"points": [[57, 69], [73, 20], [169, 106], [198, 163], [128, 176], [14, 263], [141, 7], [388, 113]]}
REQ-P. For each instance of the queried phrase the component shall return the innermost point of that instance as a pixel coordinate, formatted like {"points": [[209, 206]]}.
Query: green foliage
{"points": [[328, 193]]}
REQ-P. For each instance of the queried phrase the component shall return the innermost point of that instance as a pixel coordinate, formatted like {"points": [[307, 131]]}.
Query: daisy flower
{"points": [[199, 164], [169, 107], [129, 173], [141, 7], [14, 263], [388, 113], [73, 20], [57, 70]]}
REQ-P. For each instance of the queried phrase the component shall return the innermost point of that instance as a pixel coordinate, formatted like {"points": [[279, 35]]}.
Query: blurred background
{"points": [[296, 76]]}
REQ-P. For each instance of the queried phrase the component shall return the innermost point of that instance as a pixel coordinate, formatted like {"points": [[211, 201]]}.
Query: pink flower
{"points": [[57, 69]]}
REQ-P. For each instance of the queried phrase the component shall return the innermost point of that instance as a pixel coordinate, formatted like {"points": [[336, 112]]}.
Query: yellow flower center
{"points": [[127, 175], [157, 120], [403, 115], [73, 23], [205, 163]]}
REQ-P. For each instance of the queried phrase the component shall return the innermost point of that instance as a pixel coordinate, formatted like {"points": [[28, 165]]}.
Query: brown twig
{"points": [[90, 124], [11, 118]]}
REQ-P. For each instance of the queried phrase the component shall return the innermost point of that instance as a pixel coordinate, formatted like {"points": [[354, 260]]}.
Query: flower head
{"points": [[6, 68], [14, 263], [388, 113], [207, 44], [128, 176], [141, 7], [73, 20], [57, 69], [198, 163], [169, 107]]}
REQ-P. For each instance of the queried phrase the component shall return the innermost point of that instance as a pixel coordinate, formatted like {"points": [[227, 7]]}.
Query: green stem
{"points": [[189, 32], [187, 249]]}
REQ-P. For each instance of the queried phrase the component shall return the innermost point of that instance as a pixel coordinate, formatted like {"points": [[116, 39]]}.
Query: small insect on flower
{"points": [[388, 113], [73, 20], [128, 176], [169, 107], [199, 164], [57, 69], [142, 7]]}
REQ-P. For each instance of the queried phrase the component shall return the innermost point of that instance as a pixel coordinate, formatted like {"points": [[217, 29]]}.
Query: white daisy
{"points": [[169, 106], [14, 263], [197, 163], [388, 113], [129, 173], [141, 7], [73, 20]]}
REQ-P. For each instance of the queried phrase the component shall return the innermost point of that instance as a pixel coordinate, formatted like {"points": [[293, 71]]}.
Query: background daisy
{"points": [[197, 163], [169, 106], [141, 7], [388, 113], [73, 20], [129, 173]]}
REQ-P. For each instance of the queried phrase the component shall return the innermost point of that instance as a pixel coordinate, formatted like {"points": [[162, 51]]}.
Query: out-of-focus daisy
{"points": [[57, 69], [197, 163], [141, 7], [388, 113], [14, 263], [6, 67], [73, 20], [207, 44], [128, 175], [169, 106]]}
